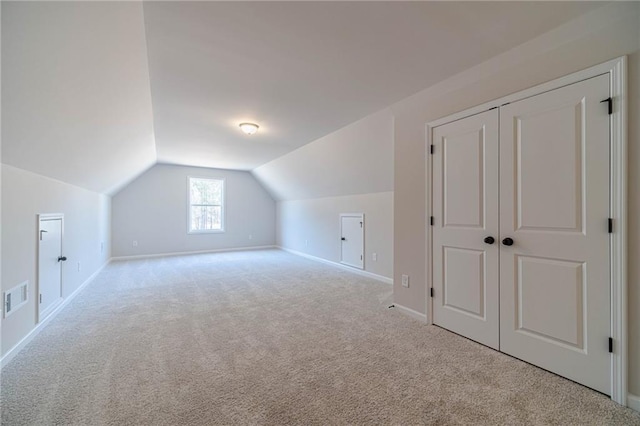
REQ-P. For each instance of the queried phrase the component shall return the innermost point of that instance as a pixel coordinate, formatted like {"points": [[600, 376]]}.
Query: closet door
{"points": [[465, 208], [554, 253]]}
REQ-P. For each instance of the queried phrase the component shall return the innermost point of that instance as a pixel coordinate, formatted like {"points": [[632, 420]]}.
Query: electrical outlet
{"points": [[135, 243], [306, 243], [405, 281], [375, 257], [79, 268]]}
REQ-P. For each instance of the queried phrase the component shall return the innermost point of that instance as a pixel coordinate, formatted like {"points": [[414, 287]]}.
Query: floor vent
{"points": [[15, 298]]}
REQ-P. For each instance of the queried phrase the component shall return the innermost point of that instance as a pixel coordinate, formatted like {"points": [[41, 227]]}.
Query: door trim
{"points": [[42, 315], [617, 71], [361, 217]]}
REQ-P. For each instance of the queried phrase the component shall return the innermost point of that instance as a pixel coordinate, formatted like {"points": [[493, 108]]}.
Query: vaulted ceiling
{"points": [[94, 93]]}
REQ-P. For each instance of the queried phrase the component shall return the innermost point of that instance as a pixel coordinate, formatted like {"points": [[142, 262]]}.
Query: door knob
{"points": [[343, 239], [507, 241], [62, 258], [489, 240]]}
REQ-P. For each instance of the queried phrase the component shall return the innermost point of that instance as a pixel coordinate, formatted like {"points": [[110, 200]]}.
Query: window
{"points": [[206, 205]]}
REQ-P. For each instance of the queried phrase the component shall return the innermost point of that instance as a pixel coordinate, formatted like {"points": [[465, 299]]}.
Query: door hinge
{"points": [[431, 292], [609, 101], [40, 297], [611, 345], [360, 224], [360, 257], [610, 225], [431, 220], [432, 149]]}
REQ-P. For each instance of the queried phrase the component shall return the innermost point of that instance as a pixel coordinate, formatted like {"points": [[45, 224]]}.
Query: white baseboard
{"points": [[410, 312], [377, 277], [11, 353], [633, 402], [186, 253]]}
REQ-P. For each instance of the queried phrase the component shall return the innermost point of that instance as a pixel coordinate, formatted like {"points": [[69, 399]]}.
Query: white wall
{"points": [[313, 227], [86, 226], [153, 211], [587, 41], [347, 171]]}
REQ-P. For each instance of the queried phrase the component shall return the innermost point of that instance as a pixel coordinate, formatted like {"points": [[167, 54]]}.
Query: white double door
{"points": [[520, 239]]}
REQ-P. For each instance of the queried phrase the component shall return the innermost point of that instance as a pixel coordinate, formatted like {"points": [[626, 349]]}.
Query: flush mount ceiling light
{"points": [[249, 128]]}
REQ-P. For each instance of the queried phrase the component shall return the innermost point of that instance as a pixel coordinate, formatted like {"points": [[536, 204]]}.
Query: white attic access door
{"points": [[527, 251], [352, 239], [50, 258]]}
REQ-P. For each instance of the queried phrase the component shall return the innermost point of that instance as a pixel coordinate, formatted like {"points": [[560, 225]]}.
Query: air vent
{"points": [[15, 298]]}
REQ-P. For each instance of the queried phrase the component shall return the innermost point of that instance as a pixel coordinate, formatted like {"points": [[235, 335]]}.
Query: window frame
{"points": [[222, 206]]}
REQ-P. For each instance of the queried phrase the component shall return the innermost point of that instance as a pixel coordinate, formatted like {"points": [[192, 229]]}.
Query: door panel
{"points": [[560, 128], [554, 204], [463, 179], [465, 206], [49, 268], [464, 287], [549, 285], [352, 231]]}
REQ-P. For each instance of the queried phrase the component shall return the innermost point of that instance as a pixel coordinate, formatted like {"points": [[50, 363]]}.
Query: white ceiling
{"points": [[76, 103], [326, 167], [93, 93], [301, 70]]}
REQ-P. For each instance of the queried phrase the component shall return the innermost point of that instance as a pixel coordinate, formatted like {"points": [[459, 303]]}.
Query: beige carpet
{"points": [[266, 337]]}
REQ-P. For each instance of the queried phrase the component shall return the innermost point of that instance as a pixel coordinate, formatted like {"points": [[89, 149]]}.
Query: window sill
{"points": [[211, 231]]}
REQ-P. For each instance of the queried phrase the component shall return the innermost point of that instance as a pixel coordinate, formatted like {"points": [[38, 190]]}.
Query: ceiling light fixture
{"points": [[249, 128]]}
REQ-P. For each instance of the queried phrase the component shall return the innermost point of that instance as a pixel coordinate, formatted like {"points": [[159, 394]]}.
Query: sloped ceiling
{"points": [[305, 69], [76, 102], [94, 93], [357, 159]]}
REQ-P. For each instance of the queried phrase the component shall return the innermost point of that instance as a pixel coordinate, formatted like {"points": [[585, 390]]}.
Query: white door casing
{"points": [[49, 267], [465, 205], [554, 205], [352, 239]]}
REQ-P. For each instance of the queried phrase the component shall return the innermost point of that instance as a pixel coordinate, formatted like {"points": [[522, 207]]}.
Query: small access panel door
{"points": [[352, 239], [50, 260]]}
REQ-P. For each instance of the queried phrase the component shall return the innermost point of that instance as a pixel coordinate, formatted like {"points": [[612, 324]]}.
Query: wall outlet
{"points": [[306, 243], [375, 257], [405, 281], [79, 268], [135, 243]]}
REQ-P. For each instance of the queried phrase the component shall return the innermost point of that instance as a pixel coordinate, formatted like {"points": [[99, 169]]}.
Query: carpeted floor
{"points": [[265, 337]]}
